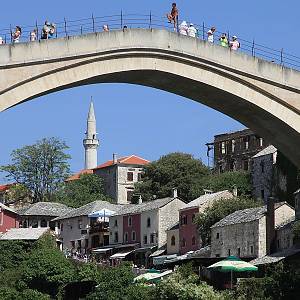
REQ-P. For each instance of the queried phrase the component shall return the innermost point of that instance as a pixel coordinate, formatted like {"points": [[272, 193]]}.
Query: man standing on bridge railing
{"points": [[173, 16]]}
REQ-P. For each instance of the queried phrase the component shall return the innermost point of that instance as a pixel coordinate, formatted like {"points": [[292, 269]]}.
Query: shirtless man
{"points": [[173, 16]]}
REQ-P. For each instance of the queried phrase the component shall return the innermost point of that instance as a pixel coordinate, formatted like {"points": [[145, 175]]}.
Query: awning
{"points": [[103, 213], [144, 249], [121, 255], [101, 250], [158, 253]]}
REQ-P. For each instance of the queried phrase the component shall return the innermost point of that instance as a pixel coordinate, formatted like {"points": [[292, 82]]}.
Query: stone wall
{"points": [[173, 249]]}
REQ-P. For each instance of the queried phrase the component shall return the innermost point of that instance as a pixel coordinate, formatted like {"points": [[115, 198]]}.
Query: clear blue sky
{"points": [[133, 119]]}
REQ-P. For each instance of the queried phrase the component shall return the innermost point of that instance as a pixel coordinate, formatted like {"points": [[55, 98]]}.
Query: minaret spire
{"points": [[91, 142]]}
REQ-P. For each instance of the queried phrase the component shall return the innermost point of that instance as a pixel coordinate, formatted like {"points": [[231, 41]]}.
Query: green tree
{"points": [[47, 270], [18, 193], [41, 167], [228, 180], [113, 283], [76, 193], [218, 211], [178, 170]]}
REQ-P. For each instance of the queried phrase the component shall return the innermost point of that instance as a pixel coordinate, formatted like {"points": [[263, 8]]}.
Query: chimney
{"points": [[115, 158], [270, 225], [175, 193], [140, 200], [235, 191], [297, 205]]}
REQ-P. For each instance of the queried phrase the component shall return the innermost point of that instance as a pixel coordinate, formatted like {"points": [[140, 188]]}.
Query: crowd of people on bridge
{"points": [[49, 31]]}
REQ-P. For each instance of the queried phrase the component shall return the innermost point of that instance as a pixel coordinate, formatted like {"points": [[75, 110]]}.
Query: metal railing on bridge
{"points": [[67, 28]]}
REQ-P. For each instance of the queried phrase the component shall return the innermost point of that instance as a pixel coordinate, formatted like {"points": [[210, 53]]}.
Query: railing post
{"points": [[66, 33], [203, 31], [228, 37], [37, 29], [281, 57], [121, 19], [93, 20], [150, 20], [253, 48], [11, 39], [81, 30], [5, 39]]}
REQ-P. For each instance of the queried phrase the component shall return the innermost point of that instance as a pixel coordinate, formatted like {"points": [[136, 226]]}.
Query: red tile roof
{"points": [[127, 160], [76, 176], [6, 187]]}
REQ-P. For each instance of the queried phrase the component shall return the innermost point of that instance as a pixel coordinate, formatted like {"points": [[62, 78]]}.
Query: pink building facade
{"points": [[132, 229], [8, 219], [188, 233]]}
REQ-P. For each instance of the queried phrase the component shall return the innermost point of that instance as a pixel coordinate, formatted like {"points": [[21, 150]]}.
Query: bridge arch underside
{"points": [[254, 107]]}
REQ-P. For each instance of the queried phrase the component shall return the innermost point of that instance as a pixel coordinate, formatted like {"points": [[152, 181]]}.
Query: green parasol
{"points": [[233, 264]]}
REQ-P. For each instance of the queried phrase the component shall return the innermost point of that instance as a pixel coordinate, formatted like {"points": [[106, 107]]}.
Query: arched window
{"points": [[126, 237], [129, 221], [25, 225], [133, 236], [183, 242], [43, 223], [193, 240], [149, 222], [173, 240]]}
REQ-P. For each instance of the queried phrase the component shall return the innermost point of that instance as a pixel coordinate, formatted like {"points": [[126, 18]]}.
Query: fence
{"points": [[150, 21]]}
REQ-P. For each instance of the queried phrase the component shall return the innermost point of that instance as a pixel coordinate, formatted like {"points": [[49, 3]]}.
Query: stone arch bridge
{"points": [[262, 95]]}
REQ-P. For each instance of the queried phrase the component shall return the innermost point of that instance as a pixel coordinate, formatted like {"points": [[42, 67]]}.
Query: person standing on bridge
{"points": [[210, 35], [183, 28], [16, 35], [105, 28], [33, 35], [45, 31], [173, 16], [192, 31], [234, 44], [223, 40]]}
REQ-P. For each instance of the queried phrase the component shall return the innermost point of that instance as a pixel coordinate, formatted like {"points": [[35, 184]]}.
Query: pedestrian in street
{"points": [[16, 35], [33, 35], [210, 35], [192, 31], [234, 44], [173, 15], [105, 28], [223, 40], [183, 28]]}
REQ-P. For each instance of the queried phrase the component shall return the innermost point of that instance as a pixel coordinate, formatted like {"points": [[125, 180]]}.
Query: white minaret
{"points": [[91, 142]]}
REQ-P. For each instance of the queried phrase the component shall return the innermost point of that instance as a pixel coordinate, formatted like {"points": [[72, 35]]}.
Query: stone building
{"points": [[120, 175], [173, 239], [249, 232], [188, 232], [272, 174], [41, 214], [233, 151], [78, 231]]}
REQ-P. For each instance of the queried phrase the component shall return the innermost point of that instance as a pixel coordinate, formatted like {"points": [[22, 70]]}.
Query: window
{"points": [[239, 252], [218, 235], [140, 178], [79, 224], [193, 241], [183, 220], [129, 221], [217, 255], [43, 223], [278, 244], [152, 236], [232, 146], [260, 142], [183, 242], [148, 222], [246, 165], [173, 240], [228, 252], [262, 167], [251, 250], [116, 223], [223, 147], [72, 244], [129, 195], [262, 194], [145, 239], [61, 227], [129, 176], [126, 237], [116, 237], [246, 142], [133, 236]]}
